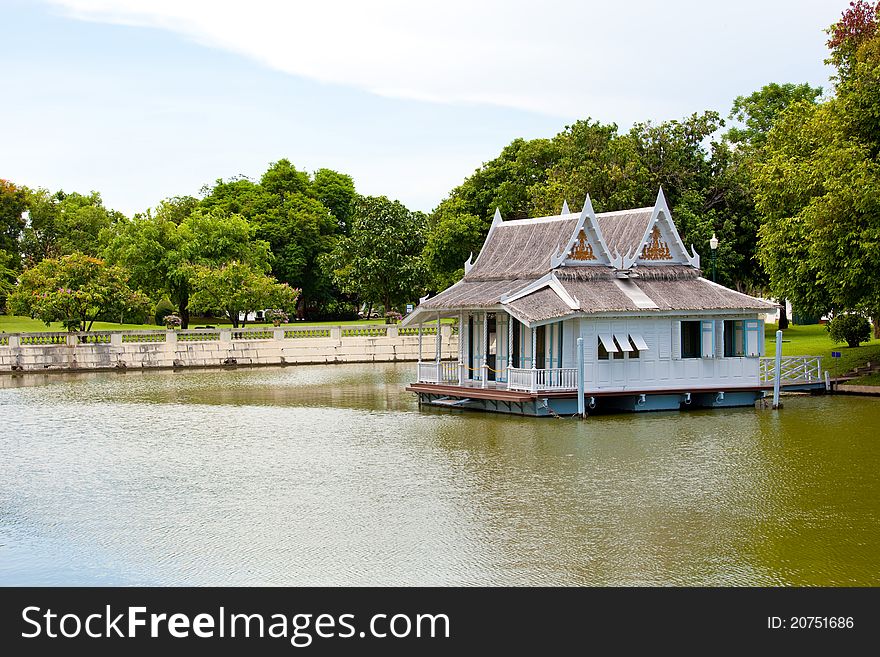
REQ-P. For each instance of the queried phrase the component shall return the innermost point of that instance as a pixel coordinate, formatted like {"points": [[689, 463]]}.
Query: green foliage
{"points": [[75, 289], [450, 241], [852, 328], [13, 202], [759, 110], [160, 254], [298, 217], [163, 308], [818, 186], [238, 288], [380, 259], [282, 180], [336, 192], [65, 223]]}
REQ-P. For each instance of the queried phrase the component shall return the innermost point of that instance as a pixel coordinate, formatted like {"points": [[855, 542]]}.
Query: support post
{"points": [[420, 342], [534, 347], [777, 370], [437, 343], [510, 362], [460, 348], [827, 381], [484, 370], [582, 411]]}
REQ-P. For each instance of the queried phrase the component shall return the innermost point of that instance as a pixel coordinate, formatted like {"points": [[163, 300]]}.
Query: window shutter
{"points": [[707, 338], [752, 341], [676, 340], [719, 338]]}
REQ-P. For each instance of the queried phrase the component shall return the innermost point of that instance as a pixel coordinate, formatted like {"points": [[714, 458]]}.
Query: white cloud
{"points": [[612, 61]]}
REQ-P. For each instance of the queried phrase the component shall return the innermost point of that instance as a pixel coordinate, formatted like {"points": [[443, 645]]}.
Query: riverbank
{"points": [[223, 347], [813, 340]]}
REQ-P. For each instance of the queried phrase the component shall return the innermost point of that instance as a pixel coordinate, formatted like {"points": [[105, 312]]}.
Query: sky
{"points": [[146, 99]]}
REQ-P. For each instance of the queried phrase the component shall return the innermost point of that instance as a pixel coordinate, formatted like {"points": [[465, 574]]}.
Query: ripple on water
{"points": [[332, 475]]}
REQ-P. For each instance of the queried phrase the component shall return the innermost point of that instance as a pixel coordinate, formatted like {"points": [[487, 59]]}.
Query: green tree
{"points": [[450, 241], [337, 193], [380, 259], [62, 223], [818, 186], [282, 180], [13, 202], [287, 214], [160, 254], [759, 110], [75, 289], [237, 289]]}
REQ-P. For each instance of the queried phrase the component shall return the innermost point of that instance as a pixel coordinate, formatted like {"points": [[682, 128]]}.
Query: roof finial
{"points": [[497, 216], [565, 209], [588, 205]]}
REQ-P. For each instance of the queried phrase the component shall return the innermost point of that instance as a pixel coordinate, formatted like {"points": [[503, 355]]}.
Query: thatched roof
{"points": [[611, 295], [522, 249], [540, 305], [623, 230], [519, 253], [473, 294]]}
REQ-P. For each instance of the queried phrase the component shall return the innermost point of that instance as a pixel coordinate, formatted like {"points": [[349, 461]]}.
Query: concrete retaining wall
{"points": [[42, 352]]}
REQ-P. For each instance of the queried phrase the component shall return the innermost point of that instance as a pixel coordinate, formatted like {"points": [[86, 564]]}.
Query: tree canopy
{"points": [[76, 290]]}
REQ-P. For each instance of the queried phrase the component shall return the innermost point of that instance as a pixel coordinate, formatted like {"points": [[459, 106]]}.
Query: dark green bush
{"points": [[164, 307], [852, 328]]}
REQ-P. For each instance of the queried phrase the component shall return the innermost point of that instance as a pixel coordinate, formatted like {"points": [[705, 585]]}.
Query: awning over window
{"points": [[623, 341], [639, 341], [608, 342]]}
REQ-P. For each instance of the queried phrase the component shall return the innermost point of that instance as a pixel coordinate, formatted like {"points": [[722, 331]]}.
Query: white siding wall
{"points": [[661, 367]]}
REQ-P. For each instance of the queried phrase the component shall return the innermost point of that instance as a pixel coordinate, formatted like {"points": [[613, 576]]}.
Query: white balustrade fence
{"points": [[794, 369], [446, 371], [555, 378]]}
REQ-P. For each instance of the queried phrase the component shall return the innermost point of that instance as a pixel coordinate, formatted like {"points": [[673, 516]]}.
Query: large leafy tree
{"points": [[63, 223], [75, 289], [818, 184], [299, 218], [236, 289], [161, 253], [337, 193], [13, 202], [379, 261]]}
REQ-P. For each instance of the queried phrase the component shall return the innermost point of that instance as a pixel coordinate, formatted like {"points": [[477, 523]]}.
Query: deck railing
{"points": [[554, 378], [793, 369], [446, 371]]}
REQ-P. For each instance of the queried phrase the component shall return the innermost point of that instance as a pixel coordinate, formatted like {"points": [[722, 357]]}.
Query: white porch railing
{"points": [[794, 369], [446, 371], [556, 378]]}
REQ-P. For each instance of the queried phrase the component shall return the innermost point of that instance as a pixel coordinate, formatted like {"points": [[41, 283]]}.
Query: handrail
{"points": [[550, 378], [793, 369]]}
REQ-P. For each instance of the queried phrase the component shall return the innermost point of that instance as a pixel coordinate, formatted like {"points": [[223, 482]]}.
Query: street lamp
{"points": [[713, 244]]}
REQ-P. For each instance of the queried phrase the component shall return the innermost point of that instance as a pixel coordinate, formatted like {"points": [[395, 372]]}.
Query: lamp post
{"points": [[713, 244]]}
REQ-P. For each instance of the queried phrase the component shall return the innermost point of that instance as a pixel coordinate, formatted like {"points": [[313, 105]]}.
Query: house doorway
{"points": [[541, 347]]}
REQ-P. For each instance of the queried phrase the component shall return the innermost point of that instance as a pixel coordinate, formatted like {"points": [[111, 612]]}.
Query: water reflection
{"points": [[333, 475]]}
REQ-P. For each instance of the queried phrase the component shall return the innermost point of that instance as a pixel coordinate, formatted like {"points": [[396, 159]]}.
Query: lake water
{"points": [[332, 475]]}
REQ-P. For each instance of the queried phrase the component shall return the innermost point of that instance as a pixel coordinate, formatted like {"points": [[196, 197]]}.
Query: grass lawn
{"points": [[813, 340]]}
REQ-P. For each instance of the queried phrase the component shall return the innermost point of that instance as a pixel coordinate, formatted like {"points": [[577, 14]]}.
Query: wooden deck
{"points": [[502, 394]]}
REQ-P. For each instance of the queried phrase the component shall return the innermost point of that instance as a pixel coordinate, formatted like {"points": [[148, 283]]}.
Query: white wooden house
{"points": [[656, 334]]}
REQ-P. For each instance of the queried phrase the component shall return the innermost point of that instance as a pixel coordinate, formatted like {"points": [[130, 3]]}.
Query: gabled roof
{"points": [[583, 263], [522, 248], [623, 230]]}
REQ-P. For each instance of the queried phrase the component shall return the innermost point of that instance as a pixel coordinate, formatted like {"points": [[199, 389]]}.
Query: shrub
{"points": [[277, 316], [172, 321], [852, 328], [392, 317], [163, 308]]}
